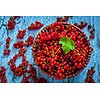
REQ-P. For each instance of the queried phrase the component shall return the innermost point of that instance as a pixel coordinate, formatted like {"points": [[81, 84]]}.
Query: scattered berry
{"points": [[3, 78], [89, 77], [29, 41], [21, 34], [19, 44], [35, 26]]}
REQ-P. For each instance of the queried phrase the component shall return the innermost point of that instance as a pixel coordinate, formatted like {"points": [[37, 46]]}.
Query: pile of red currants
{"points": [[61, 50]]}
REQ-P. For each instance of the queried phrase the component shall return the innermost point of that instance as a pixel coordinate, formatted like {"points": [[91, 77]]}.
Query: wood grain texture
{"points": [[25, 21]]}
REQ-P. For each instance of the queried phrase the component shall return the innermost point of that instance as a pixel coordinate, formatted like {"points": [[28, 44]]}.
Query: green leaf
{"points": [[67, 44]]}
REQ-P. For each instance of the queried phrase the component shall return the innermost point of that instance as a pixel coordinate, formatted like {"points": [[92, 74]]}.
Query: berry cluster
{"points": [[12, 23], [29, 41], [7, 50], [21, 34], [25, 79], [35, 26], [21, 69], [50, 57], [91, 30], [3, 75], [65, 19], [40, 80], [21, 44], [82, 25], [18, 44], [89, 77], [31, 74]]}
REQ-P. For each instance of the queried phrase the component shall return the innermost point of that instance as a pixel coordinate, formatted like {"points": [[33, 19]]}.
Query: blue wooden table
{"points": [[24, 22]]}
